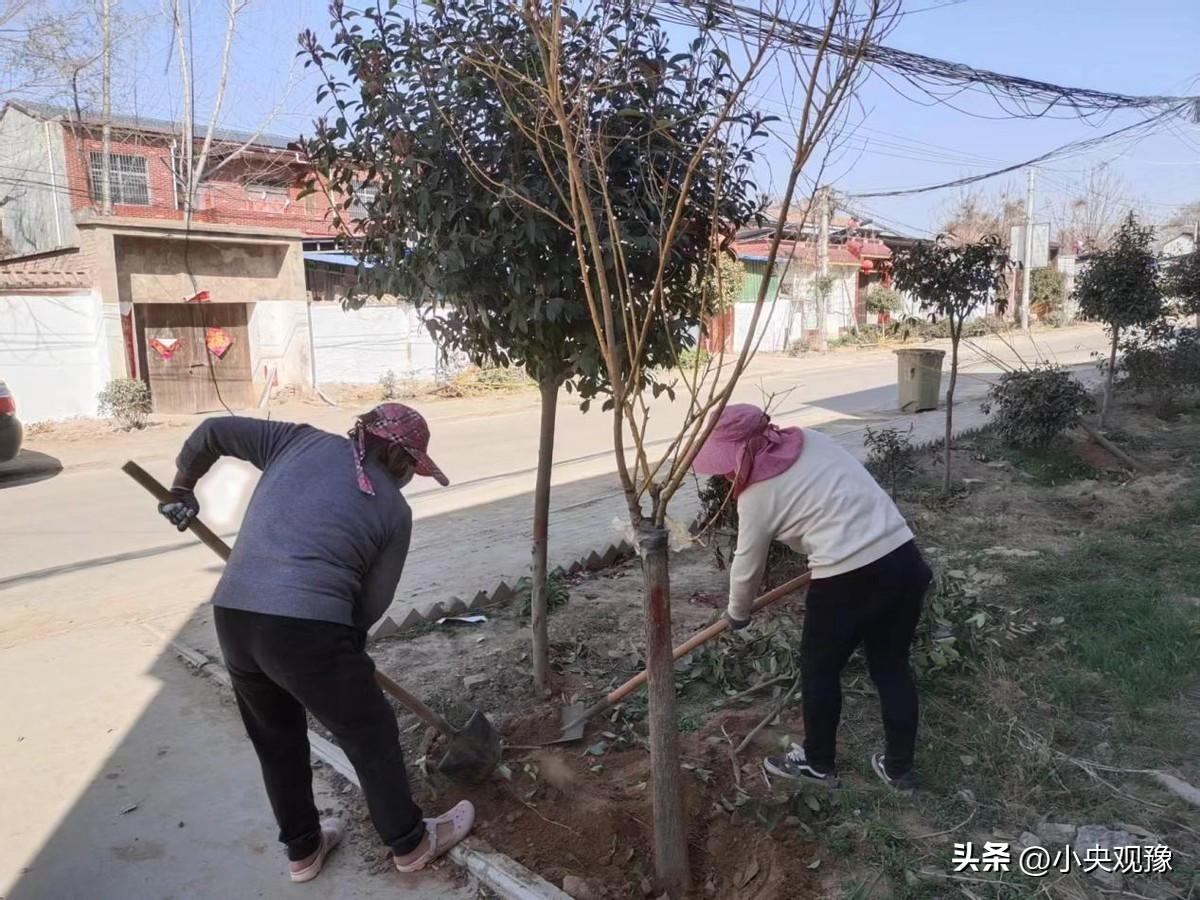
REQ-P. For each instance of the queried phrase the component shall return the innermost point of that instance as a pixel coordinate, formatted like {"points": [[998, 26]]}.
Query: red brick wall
{"points": [[224, 200]]}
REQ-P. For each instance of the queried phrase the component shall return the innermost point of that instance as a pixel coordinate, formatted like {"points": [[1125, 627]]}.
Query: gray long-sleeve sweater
{"points": [[312, 545]]}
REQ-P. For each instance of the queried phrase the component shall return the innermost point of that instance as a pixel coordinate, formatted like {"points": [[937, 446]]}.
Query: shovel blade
{"points": [[473, 752]]}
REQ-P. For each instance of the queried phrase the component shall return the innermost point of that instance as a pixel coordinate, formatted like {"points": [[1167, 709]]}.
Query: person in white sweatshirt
{"points": [[868, 578]]}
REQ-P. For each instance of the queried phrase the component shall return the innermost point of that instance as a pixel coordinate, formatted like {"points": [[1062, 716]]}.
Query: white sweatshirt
{"points": [[827, 506]]}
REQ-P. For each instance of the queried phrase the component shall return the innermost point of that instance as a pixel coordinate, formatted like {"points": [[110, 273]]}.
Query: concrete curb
{"points": [[503, 875], [502, 593]]}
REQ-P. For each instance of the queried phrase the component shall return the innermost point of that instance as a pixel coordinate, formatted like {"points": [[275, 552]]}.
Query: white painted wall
{"points": [[53, 353], [800, 309], [36, 211], [279, 340], [358, 346]]}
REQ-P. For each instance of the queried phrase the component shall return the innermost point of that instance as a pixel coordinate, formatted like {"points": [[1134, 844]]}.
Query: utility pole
{"points": [[106, 109], [824, 198], [1028, 251]]}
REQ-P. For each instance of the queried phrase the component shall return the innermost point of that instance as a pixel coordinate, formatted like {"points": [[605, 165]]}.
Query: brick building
{"points": [[90, 296]]}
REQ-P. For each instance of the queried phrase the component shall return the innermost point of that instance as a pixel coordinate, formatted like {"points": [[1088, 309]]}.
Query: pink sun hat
{"points": [[745, 446]]}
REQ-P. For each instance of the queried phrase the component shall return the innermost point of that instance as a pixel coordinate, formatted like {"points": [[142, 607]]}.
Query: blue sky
{"points": [[1144, 47]]}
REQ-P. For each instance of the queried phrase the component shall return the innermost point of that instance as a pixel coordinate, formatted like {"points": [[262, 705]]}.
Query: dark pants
{"points": [[282, 666], [877, 606]]}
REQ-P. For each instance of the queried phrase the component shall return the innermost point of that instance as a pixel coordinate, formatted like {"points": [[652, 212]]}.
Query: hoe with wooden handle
{"points": [[574, 719], [472, 751]]}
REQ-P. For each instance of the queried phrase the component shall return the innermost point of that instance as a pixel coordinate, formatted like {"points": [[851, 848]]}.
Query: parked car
{"points": [[11, 432]]}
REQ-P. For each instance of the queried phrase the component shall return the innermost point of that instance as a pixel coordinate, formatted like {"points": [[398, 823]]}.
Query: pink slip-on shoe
{"points": [[460, 818], [331, 836]]}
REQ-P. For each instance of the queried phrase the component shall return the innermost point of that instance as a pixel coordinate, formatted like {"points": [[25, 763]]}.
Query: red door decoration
{"points": [[165, 347], [218, 341]]}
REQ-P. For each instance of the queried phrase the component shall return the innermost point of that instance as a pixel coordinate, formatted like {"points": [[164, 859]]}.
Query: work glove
{"points": [[181, 508], [736, 624]]}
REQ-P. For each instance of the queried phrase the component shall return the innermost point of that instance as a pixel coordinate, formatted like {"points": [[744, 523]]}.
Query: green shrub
{"points": [[1162, 361], [126, 401], [883, 300], [972, 328], [696, 358], [1047, 290], [558, 592], [1033, 407], [889, 455], [389, 385]]}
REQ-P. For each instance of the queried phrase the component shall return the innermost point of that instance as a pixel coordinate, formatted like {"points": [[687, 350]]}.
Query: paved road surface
{"points": [[99, 719]]}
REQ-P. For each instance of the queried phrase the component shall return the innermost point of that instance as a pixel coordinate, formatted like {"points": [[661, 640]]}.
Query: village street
{"points": [[112, 744]]}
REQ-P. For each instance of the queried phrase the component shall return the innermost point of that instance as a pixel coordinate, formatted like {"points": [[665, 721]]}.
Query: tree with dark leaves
{"points": [[460, 210], [951, 281], [1120, 287]]}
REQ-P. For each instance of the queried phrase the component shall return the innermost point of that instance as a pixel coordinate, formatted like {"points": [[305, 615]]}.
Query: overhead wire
{"points": [[1070, 148], [1018, 96]]}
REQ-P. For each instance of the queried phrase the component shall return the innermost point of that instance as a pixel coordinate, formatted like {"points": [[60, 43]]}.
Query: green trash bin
{"points": [[919, 378]]}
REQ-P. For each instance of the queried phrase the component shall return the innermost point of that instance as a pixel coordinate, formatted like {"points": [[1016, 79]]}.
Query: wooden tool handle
{"points": [[419, 709], [160, 493], [700, 637]]}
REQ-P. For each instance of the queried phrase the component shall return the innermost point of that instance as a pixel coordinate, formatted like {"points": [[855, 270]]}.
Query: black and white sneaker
{"points": [[904, 782], [795, 766]]}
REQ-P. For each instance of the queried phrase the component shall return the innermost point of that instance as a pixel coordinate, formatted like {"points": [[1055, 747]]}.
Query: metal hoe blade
{"points": [[573, 723]]}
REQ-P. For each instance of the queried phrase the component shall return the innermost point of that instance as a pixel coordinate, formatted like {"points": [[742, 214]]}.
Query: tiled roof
{"points": [[67, 268], [156, 126], [870, 249]]}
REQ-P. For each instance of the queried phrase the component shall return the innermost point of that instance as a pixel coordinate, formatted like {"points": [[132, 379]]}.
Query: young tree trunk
{"points": [[954, 339], [670, 835], [822, 318], [1108, 379], [541, 533]]}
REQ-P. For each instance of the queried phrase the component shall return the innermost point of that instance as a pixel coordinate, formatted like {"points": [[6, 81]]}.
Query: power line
{"points": [[1071, 148], [1018, 96]]}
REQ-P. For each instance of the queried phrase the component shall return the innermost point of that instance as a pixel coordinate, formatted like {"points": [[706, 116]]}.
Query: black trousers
{"points": [[876, 606], [282, 666]]}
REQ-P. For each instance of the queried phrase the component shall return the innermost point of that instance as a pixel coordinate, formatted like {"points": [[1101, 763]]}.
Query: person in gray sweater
{"points": [[315, 564]]}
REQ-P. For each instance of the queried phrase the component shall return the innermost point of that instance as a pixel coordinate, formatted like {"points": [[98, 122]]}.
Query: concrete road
{"points": [[92, 515], [99, 716], [124, 775]]}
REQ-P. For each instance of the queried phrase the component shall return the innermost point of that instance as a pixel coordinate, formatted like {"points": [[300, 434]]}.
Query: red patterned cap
{"points": [[396, 424]]}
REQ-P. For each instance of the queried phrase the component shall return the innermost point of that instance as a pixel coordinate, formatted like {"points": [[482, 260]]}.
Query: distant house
{"points": [[859, 258], [208, 314]]}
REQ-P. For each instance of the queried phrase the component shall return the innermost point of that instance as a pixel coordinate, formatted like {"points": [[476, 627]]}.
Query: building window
{"points": [[364, 196], [261, 191], [128, 179]]}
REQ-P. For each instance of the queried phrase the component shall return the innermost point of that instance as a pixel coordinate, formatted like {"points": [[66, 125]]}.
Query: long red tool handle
{"points": [[700, 637], [218, 546]]}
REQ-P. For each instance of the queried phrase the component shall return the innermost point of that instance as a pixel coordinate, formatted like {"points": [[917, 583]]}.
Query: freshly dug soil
{"points": [[584, 809]]}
